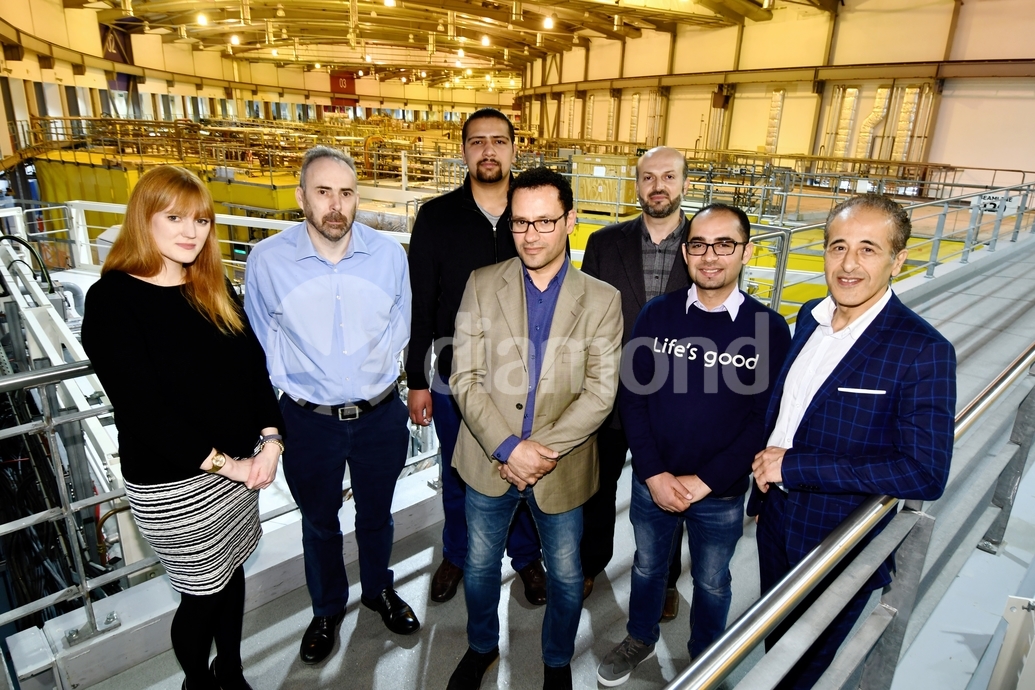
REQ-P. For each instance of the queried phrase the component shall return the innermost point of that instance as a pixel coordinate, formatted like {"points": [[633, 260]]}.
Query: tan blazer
{"points": [[577, 384]]}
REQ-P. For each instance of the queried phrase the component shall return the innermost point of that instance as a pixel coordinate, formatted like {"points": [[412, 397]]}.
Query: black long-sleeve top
{"points": [[451, 237], [179, 386]]}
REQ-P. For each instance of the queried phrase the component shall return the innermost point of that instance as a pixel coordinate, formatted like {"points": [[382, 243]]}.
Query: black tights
{"points": [[199, 620]]}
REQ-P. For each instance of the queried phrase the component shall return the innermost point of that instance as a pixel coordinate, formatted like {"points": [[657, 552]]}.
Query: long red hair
{"points": [[135, 251]]}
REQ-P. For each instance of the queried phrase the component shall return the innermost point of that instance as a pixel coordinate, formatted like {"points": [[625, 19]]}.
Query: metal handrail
{"points": [[709, 669]]}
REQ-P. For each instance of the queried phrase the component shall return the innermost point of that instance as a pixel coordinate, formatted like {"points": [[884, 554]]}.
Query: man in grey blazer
{"points": [[536, 357]]}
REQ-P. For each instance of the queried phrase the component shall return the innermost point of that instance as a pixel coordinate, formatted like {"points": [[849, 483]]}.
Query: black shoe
{"points": [[447, 578], [318, 640], [396, 613], [534, 579], [469, 672], [229, 681], [557, 678]]}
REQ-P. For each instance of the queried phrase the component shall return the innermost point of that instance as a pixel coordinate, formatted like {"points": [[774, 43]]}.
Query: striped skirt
{"points": [[201, 528]]}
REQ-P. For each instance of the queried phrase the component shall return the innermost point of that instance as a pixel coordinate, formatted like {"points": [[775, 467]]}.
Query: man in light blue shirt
{"points": [[329, 300]]}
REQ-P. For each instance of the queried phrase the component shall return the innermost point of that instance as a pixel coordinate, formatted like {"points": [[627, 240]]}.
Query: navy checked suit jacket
{"points": [[851, 445]]}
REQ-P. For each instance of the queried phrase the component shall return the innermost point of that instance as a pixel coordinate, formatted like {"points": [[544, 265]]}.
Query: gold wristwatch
{"points": [[217, 463]]}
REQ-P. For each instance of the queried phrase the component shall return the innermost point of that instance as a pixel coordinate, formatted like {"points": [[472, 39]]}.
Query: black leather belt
{"points": [[348, 411]]}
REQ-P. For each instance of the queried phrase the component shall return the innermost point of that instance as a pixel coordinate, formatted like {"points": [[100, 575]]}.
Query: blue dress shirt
{"points": [[332, 333], [540, 306]]}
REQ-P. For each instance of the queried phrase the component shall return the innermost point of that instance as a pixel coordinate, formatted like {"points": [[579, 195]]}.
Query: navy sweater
{"points": [[695, 387]]}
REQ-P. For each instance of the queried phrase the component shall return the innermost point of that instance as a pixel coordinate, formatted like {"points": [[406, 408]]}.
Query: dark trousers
{"points": [[199, 620], [598, 513], [318, 449], [522, 542], [773, 564]]}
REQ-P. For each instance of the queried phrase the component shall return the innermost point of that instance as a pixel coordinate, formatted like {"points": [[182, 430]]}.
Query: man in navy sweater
{"points": [[696, 380]]}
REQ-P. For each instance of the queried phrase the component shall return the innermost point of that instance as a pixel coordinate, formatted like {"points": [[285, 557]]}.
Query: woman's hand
{"points": [[263, 468]]}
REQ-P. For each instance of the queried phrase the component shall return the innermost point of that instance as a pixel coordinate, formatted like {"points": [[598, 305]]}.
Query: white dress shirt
{"points": [[730, 304], [814, 364]]}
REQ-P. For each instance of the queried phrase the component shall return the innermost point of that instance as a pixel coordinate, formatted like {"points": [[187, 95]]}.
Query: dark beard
{"points": [[488, 176], [664, 212], [329, 233]]}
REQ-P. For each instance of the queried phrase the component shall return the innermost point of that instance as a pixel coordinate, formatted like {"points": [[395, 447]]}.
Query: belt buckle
{"points": [[348, 412]]}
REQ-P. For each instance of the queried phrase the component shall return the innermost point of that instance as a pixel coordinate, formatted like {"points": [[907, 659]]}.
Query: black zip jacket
{"points": [[451, 238]]}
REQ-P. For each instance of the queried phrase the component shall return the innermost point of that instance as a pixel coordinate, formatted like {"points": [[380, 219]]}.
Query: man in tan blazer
{"points": [[536, 357]]}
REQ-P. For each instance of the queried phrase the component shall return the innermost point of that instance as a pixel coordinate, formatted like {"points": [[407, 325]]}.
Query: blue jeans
{"points": [[318, 447], [523, 544], [713, 525], [488, 520]]}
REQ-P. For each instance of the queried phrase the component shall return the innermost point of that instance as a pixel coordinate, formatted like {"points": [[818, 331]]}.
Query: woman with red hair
{"points": [[196, 414]]}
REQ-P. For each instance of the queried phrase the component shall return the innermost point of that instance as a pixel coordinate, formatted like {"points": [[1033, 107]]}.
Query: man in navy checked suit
{"points": [[864, 405]]}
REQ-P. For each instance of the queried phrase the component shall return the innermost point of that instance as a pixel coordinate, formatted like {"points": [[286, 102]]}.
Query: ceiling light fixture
{"points": [[316, 65], [389, 3], [411, 38], [423, 75], [235, 40], [403, 80], [360, 73], [367, 58], [274, 52], [373, 14], [512, 82], [460, 53], [280, 10], [202, 19], [468, 71], [485, 41], [548, 22], [457, 63], [440, 27]]}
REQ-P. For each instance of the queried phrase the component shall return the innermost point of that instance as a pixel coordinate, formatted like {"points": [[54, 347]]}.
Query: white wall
{"points": [[574, 65], [878, 31], [990, 29], [750, 117], [647, 54], [986, 123], [687, 105], [796, 36], [605, 59], [704, 50]]}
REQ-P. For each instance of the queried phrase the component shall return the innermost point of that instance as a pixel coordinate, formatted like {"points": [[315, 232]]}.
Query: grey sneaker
{"points": [[618, 664]]}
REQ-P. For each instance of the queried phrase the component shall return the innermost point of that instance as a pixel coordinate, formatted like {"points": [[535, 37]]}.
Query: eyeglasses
{"points": [[721, 248], [542, 226]]}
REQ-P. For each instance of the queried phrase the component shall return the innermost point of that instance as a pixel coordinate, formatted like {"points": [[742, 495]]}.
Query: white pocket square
{"points": [[864, 391]]}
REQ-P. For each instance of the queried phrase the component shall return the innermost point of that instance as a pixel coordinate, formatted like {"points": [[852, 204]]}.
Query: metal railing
{"points": [[909, 532], [944, 231]]}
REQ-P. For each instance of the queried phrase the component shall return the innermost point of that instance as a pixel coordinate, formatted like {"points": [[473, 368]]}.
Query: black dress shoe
{"points": [[535, 582], [557, 678], [232, 680], [469, 672], [318, 640], [445, 582], [396, 613]]}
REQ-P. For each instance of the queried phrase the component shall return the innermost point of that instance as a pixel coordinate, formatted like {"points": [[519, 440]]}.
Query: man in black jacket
{"points": [[454, 234], [642, 258]]}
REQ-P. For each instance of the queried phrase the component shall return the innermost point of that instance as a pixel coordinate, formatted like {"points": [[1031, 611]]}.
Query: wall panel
{"points": [[647, 54], [704, 50], [574, 65], [796, 36], [986, 123], [749, 117], [878, 31], [995, 29], [604, 59], [688, 110]]}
